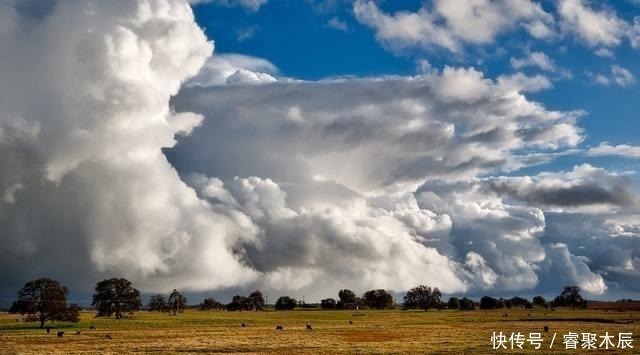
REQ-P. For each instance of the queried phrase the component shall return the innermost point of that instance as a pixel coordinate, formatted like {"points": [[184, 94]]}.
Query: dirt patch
{"points": [[581, 320], [371, 337]]}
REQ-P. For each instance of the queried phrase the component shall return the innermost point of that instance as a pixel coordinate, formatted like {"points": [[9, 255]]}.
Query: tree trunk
{"points": [[42, 319]]}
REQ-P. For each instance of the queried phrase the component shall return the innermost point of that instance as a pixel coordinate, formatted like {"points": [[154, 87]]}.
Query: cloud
{"points": [[618, 76], [537, 59], [595, 28], [338, 24], [453, 24], [624, 150], [245, 33], [522, 83], [251, 5], [584, 186], [388, 158], [86, 190], [305, 186], [231, 68]]}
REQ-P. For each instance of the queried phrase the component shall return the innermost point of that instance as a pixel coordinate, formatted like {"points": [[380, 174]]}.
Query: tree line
{"points": [[45, 300]]}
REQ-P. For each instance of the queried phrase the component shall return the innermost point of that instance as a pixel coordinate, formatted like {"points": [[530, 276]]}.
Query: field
{"points": [[372, 332]]}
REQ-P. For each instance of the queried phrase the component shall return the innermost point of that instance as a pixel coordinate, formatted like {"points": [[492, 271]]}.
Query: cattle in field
{"points": [[48, 329], [279, 327], [546, 328], [108, 336], [309, 328], [78, 332], [92, 327], [350, 322], [60, 334], [243, 325]]}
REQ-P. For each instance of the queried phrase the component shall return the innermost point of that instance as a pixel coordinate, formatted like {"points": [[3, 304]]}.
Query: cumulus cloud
{"points": [[617, 76], [85, 116], [593, 27], [584, 186], [343, 151], [338, 24], [380, 182], [453, 24], [231, 68], [251, 5], [606, 149]]}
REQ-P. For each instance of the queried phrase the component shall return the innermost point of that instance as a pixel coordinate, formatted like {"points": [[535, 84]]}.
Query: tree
{"points": [[378, 299], [115, 296], [328, 303], [238, 303], [540, 301], [44, 299], [177, 302], [487, 302], [210, 304], [570, 297], [467, 304], [72, 314], [157, 303], [285, 303], [256, 301], [422, 297], [519, 302], [454, 303], [347, 297]]}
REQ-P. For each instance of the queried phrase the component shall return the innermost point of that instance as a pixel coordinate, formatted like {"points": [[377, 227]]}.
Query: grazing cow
{"points": [[505, 315], [108, 336], [48, 330], [279, 327], [243, 325], [78, 332], [92, 327], [546, 329], [350, 322], [60, 334], [309, 329]]}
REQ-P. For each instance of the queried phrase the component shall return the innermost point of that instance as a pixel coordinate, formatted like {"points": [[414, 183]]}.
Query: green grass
{"points": [[372, 332]]}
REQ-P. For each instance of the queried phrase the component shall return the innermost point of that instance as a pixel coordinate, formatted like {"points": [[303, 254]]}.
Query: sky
{"points": [[302, 147]]}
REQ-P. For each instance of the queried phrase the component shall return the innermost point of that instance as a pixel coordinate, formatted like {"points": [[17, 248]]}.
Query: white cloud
{"points": [[605, 149], [292, 185], [618, 76], [88, 151], [453, 24], [595, 28], [523, 83], [536, 59], [231, 68], [251, 5], [338, 24], [350, 154]]}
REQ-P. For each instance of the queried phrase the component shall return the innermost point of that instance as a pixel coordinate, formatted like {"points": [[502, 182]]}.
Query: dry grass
{"points": [[388, 332]]}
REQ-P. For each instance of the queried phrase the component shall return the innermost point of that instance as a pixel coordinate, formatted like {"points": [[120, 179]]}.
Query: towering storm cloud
{"points": [[84, 115], [284, 184]]}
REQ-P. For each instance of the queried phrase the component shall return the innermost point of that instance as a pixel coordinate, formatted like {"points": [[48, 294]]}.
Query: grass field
{"points": [[372, 332]]}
